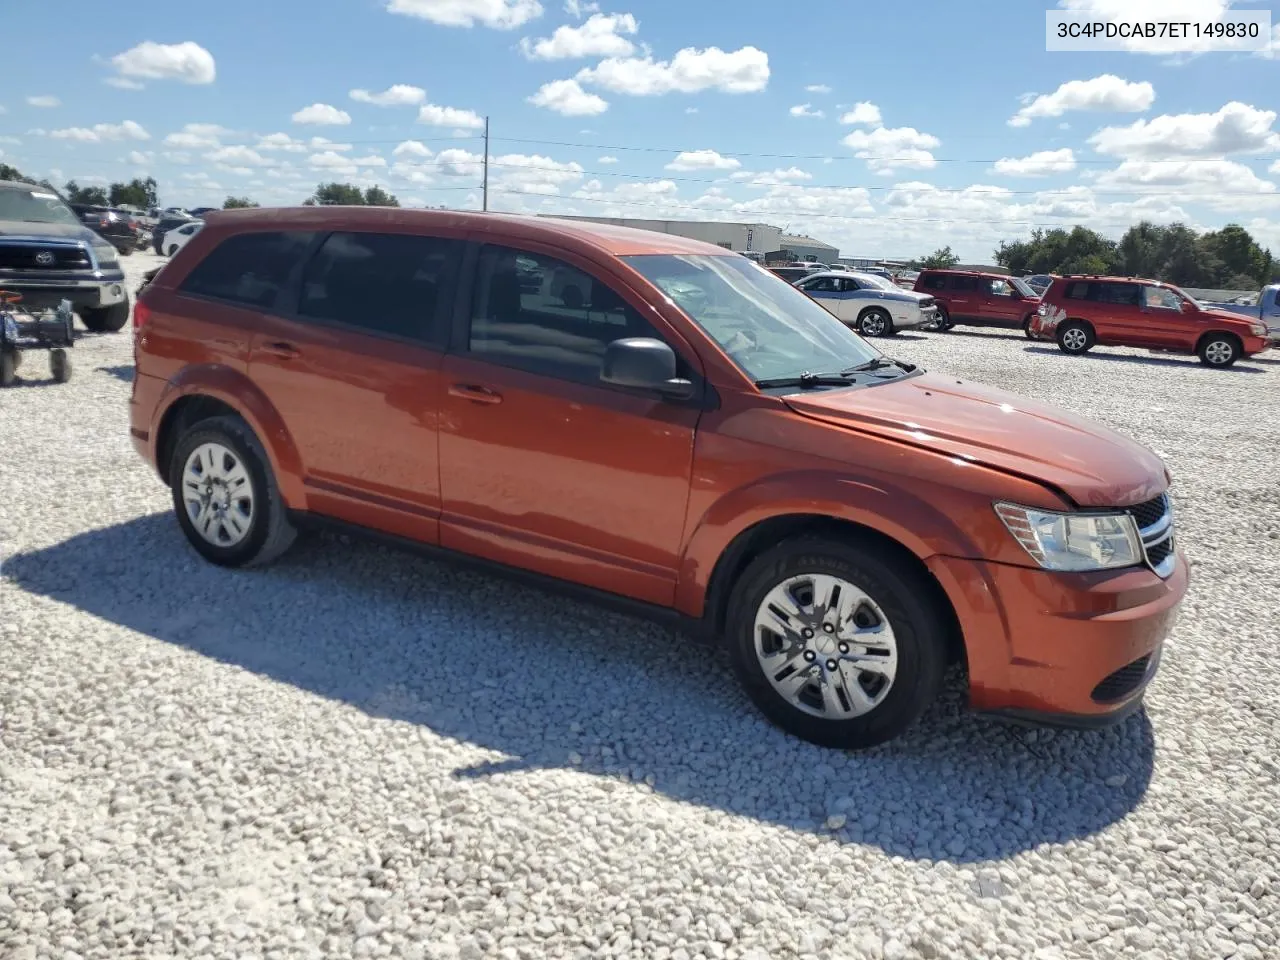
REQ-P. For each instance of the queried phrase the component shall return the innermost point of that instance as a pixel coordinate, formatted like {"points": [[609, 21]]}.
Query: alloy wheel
{"points": [[1218, 352], [1074, 339]]}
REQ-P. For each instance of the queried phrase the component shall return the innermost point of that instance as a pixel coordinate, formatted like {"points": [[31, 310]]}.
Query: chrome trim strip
{"points": [[1159, 527], [1165, 568]]}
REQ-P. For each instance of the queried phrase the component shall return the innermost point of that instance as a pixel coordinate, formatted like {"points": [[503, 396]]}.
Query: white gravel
{"points": [[361, 753]]}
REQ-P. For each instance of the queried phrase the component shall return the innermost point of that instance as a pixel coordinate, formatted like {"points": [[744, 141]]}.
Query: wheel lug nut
{"points": [[831, 664], [828, 628], [844, 648], [810, 656], [806, 633]]}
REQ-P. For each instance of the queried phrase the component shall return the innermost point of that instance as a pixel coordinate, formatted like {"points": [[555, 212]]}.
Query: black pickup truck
{"points": [[47, 255]]}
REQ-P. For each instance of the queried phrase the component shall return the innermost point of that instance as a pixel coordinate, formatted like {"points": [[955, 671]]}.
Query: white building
{"points": [[739, 237], [807, 248]]}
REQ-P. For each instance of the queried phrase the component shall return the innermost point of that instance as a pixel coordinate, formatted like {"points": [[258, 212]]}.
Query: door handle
{"points": [[474, 393], [285, 351]]}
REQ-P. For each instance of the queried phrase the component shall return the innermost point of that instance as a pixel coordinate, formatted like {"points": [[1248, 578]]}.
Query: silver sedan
{"points": [[873, 306]]}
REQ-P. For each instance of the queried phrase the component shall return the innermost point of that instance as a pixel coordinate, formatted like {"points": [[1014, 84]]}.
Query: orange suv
{"points": [[1080, 312], [663, 424]]}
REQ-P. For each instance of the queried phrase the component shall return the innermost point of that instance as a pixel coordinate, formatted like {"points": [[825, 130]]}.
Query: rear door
{"points": [[1117, 314], [963, 300], [352, 364]]}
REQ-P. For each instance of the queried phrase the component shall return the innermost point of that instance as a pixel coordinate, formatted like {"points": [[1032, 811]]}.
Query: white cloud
{"points": [[817, 88], [140, 157], [1272, 52], [336, 163], [703, 160], [1216, 183], [124, 83], [566, 97], [865, 114], [607, 160], [196, 136], [771, 178], [322, 114], [602, 35], [805, 110], [3, 109], [498, 14], [580, 8], [128, 130], [518, 172], [690, 110], [281, 141], [44, 101], [1039, 164], [412, 148], [372, 160], [438, 116], [886, 149], [187, 62], [1103, 93], [239, 156], [1142, 11], [396, 95], [691, 70], [323, 143], [1235, 128]]}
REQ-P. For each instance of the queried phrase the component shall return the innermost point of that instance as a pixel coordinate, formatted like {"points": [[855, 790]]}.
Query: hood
{"points": [[1254, 315], [1094, 466], [50, 231]]}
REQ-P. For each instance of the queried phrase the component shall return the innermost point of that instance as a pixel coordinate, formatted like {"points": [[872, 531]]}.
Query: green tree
{"points": [[15, 175], [238, 203], [347, 194], [940, 259], [1079, 250], [78, 194], [1239, 254], [375, 196], [136, 193]]}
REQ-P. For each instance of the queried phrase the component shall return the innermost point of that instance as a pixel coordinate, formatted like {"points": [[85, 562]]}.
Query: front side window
{"points": [[999, 288], [380, 282], [537, 313], [249, 268], [822, 285], [1161, 298], [768, 327]]}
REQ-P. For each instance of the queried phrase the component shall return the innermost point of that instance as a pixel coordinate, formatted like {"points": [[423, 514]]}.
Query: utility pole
{"points": [[486, 164]]}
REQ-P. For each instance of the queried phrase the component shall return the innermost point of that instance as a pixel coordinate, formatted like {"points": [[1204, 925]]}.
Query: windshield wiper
{"points": [[879, 363], [806, 381]]}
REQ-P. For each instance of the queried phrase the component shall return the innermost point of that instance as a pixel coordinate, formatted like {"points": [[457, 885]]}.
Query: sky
{"points": [[889, 130]]}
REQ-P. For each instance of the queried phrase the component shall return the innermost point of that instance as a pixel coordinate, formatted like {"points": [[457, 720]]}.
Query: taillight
{"points": [[141, 314]]}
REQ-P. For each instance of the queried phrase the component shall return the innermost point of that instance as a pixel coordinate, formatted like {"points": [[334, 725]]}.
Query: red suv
{"points": [[662, 423], [1080, 312], [979, 299]]}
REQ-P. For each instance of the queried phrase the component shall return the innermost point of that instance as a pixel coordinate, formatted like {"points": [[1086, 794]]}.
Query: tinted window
{"points": [[934, 282], [1077, 290], [249, 268], [381, 282], [964, 283], [540, 314], [1125, 294], [824, 285]]}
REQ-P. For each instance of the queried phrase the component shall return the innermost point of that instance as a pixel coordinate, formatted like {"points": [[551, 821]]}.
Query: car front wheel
{"points": [[106, 319], [836, 642], [875, 323], [225, 494], [1219, 350], [1075, 337]]}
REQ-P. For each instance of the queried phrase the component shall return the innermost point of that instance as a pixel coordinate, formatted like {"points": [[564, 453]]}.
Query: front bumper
{"points": [[90, 294], [1077, 649]]}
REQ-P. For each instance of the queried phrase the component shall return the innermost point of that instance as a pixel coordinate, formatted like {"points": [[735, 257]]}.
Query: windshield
{"points": [[36, 205], [1022, 287], [872, 280], [766, 325]]}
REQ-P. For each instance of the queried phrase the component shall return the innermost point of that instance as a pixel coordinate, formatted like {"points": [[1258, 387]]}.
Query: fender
{"points": [[240, 393], [920, 526]]}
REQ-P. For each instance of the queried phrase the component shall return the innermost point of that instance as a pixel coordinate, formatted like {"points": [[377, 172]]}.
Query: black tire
{"points": [[59, 365], [173, 248], [1219, 350], [126, 251], [8, 367], [1069, 340], [270, 533], [106, 319], [902, 594], [1026, 326], [944, 320], [875, 322]]}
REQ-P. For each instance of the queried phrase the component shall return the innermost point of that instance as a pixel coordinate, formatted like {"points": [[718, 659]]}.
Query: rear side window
{"points": [[380, 282], [964, 283], [1077, 290], [1122, 294], [249, 268], [933, 281]]}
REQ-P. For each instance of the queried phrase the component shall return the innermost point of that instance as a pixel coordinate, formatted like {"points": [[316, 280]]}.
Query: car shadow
{"points": [[466, 654], [1241, 366], [900, 335], [122, 371], [989, 333]]}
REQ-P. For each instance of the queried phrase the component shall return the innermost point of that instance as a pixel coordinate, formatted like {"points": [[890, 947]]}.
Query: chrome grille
{"points": [[34, 255], [1154, 519]]}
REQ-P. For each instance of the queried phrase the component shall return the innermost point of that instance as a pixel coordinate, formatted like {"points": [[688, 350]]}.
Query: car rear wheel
{"points": [[1075, 336], [225, 494], [1026, 326], [173, 248], [835, 642], [875, 323], [1219, 350], [106, 319], [944, 320]]}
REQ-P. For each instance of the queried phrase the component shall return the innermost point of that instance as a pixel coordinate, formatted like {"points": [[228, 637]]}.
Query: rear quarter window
{"points": [[932, 281], [252, 269]]}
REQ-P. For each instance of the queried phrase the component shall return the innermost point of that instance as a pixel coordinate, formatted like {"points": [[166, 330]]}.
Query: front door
{"points": [[354, 372], [999, 304], [1165, 323], [544, 467]]}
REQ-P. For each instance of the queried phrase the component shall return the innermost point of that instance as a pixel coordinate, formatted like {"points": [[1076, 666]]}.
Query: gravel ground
{"points": [[361, 753]]}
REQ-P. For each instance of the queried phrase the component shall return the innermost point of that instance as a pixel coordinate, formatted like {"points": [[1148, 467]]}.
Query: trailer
{"points": [[51, 329]]}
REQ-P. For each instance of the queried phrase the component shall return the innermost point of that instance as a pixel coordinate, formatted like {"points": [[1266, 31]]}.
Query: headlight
{"points": [[1258, 329], [1074, 541], [106, 254], [1042, 310]]}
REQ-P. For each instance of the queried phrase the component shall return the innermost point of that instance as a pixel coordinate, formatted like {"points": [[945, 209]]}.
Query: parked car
{"points": [[177, 238], [697, 441], [1265, 308], [47, 255], [871, 305], [118, 227], [791, 274], [979, 299], [1038, 282], [1081, 312], [167, 222], [906, 279]]}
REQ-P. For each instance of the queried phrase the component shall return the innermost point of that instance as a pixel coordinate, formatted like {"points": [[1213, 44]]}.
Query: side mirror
{"points": [[643, 363]]}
